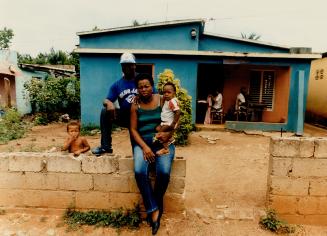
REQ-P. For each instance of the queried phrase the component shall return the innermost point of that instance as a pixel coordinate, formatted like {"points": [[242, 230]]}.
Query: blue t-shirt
{"points": [[124, 90]]}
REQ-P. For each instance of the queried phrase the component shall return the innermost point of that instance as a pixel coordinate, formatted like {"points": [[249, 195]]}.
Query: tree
{"points": [[252, 36], [5, 38]]}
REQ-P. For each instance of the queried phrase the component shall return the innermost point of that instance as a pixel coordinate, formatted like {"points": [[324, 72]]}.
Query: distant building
{"points": [[13, 77], [317, 99], [275, 76]]}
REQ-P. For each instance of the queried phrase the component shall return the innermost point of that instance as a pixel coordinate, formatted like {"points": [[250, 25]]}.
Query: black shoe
{"points": [[155, 227], [98, 151]]}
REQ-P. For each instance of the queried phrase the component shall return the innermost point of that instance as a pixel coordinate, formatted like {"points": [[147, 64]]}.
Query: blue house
{"points": [[276, 76]]}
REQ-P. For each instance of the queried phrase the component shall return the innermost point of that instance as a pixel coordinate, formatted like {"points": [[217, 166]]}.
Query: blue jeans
{"points": [[153, 198]]}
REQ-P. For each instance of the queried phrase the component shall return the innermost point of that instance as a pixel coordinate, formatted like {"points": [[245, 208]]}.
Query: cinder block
{"points": [[11, 198], [4, 163], [126, 166], [179, 168], [318, 187], [176, 185], [292, 218], [100, 165], [284, 204], [75, 181], [174, 203], [63, 164], [292, 147], [281, 166], [307, 147], [41, 181], [132, 185], [285, 147], [309, 167], [289, 186], [308, 205], [26, 161], [111, 183], [92, 200], [124, 200], [320, 148], [12, 180], [36, 198]]}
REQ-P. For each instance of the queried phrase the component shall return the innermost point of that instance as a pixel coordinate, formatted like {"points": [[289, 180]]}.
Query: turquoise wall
{"points": [[210, 43], [98, 73], [163, 38]]}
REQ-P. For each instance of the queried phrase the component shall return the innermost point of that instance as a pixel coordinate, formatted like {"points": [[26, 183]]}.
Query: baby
{"points": [[169, 118], [75, 143]]}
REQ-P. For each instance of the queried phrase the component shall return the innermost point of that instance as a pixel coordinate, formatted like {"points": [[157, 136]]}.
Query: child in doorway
{"points": [[169, 118], [75, 143]]}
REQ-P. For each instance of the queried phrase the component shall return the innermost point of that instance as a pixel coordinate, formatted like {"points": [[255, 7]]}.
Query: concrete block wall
{"points": [[297, 179], [57, 180]]}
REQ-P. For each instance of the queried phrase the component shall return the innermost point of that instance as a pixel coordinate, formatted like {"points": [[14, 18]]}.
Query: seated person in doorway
{"points": [[169, 118], [215, 103], [74, 142], [241, 101]]}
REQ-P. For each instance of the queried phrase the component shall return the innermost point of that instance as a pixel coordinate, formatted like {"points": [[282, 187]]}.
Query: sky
{"points": [[39, 25]]}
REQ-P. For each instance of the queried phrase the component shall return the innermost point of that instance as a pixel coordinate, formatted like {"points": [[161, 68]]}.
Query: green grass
{"points": [[118, 218], [272, 223]]}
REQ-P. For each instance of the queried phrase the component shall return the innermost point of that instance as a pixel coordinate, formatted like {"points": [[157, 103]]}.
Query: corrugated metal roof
{"points": [[198, 53], [166, 23], [246, 40]]}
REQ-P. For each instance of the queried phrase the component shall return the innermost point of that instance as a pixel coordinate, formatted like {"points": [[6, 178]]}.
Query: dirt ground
{"points": [[226, 172]]}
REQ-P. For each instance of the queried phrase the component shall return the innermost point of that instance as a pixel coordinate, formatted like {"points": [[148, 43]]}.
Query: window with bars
{"points": [[262, 87]]}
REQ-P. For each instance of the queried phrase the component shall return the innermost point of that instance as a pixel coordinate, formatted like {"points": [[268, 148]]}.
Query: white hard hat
{"points": [[127, 57]]}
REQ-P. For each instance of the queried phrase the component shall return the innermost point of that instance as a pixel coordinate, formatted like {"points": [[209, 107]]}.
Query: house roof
{"points": [[8, 68], [166, 23], [48, 69], [198, 53], [245, 40]]}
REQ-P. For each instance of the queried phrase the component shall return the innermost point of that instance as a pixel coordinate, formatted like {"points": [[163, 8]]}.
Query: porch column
{"points": [[300, 105]]}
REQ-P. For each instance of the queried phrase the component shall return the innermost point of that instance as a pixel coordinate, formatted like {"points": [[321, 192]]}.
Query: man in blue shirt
{"points": [[124, 90]]}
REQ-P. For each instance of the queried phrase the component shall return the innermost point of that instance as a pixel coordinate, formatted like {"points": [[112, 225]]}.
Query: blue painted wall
{"points": [[98, 73], [164, 38], [210, 43]]}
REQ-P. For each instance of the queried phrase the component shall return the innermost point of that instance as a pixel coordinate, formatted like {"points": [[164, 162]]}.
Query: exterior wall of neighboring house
{"points": [[100, 70], [317, 99]]}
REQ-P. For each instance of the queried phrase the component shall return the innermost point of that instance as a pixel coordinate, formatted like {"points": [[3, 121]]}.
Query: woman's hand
{"points": [[148, 155]]}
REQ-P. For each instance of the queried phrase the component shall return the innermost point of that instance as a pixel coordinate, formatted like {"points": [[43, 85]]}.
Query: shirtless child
{"points": [[75, 143]]}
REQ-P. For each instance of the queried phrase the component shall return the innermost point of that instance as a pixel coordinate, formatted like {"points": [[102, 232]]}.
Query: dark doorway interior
{"points": [[210, 78]]}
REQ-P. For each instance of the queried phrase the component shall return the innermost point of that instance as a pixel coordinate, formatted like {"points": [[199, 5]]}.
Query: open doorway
{"points": [[210, 79]]}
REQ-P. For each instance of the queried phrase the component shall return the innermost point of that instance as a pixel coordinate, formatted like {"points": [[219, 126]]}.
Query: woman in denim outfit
{"points": [[145, 117]]}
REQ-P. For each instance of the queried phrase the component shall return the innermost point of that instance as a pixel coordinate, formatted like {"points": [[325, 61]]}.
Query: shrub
{"points": [[185, 122], [54, 96], [272, 223], [11, 126]]}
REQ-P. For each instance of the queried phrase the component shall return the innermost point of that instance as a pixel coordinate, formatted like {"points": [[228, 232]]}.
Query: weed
{"points": [[272, 223], [118, 218], [11, 126]]}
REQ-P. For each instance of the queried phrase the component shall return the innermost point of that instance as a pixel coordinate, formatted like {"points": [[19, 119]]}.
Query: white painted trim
{"points": [[197, 53]]}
